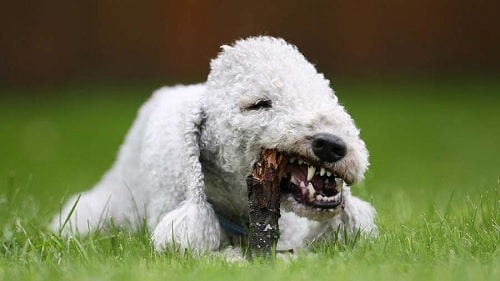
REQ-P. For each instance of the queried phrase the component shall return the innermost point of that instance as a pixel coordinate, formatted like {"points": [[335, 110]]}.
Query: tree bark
{"points": [[264, 203]]}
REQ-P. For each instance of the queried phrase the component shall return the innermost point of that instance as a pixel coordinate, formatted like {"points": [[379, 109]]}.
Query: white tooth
{"points": [[328, 173], [322, 172], [339, 183], [292, 159], [310, 187], [319, 197], [310, 172], [302, 184], [301, 162], [294, 180]]}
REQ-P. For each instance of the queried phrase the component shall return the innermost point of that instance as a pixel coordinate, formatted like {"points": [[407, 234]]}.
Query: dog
{"points": [[183, 165]]}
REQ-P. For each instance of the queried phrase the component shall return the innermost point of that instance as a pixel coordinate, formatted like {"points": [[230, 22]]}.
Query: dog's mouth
{"points": [[313, 186]]}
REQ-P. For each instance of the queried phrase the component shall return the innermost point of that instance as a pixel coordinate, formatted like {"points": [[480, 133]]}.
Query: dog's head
{"points": [[263, 93]]}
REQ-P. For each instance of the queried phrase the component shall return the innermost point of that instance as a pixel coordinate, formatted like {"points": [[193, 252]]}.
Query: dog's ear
{"points": [[192, 123], [193, 224]]}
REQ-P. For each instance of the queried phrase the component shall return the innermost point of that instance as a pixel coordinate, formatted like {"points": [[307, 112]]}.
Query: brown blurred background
{"points": [[56, 41]]}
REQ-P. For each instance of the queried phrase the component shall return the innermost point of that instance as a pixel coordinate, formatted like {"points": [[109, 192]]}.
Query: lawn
{"points": [[434, 179]]}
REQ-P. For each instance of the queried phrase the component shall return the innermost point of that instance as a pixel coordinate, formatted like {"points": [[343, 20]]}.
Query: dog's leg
{"points": [[113, 197], [193, 224], [358, 216], [296, 232], [82, 213]]}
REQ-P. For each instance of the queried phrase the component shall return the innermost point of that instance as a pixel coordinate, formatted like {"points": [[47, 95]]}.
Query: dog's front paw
{"points": [[359, 216], [193, 225]]}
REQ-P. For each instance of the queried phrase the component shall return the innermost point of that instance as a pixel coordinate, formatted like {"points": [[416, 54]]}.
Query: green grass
{"points": [[434, 179]]}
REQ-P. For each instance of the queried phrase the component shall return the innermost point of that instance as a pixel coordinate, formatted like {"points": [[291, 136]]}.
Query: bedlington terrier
{"points": [[183, 165]]}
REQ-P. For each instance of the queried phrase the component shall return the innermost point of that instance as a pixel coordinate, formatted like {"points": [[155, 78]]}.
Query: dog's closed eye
{"points": [[260, 104]]}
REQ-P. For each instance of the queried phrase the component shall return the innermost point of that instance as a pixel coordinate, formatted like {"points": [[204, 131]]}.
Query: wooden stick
{"points": [[264, 203]]}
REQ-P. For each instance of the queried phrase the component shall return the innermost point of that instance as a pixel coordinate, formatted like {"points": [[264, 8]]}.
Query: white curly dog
{"points": [[183, 165]]}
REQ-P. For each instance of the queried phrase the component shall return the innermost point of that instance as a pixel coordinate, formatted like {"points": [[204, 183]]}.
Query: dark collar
{"points": [[232, 227]]}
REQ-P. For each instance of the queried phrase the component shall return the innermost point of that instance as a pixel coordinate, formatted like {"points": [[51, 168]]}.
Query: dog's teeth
{"points": [[310, 172], [339, 183], [328, 173], [301, 162], [310, 187], [322, 172], [319, 197], [337, 197], [292, 159], [302, 184]]}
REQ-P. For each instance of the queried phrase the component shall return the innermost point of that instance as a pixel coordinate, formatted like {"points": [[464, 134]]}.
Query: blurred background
{"points": [[57, 41], [419, 77]]}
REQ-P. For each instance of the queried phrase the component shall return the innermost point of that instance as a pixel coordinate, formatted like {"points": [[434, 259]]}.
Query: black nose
{"points": [[328, 147]]}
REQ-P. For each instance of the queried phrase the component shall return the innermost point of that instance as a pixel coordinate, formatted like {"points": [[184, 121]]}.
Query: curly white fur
{"points": [[191, 148]]}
